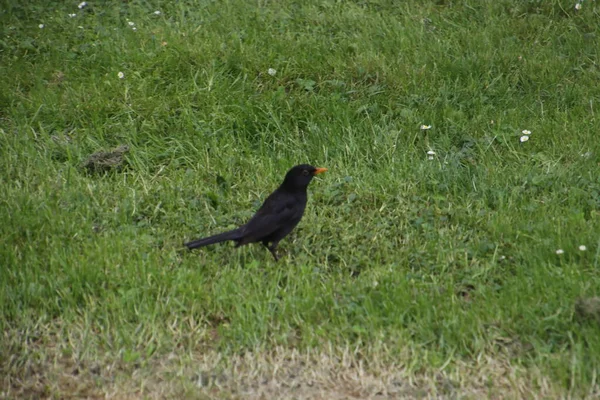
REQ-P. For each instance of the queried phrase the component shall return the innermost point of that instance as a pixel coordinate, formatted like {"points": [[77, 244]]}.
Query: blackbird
{"points": [[276, 218]]}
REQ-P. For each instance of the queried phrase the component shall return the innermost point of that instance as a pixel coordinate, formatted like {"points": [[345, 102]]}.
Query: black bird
{"points": [[276, 218]]}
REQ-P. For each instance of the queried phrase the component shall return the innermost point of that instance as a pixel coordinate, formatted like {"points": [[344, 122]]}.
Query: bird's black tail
{"points": [[221, 237]]}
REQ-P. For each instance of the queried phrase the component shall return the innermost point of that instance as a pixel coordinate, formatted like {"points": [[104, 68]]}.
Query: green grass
{"points": [[449, 259]]}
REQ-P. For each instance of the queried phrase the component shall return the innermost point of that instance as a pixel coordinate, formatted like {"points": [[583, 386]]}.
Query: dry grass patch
{"points": [[43, 370]]}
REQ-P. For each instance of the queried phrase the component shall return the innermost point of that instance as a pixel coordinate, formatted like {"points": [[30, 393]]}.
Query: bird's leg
{"points": [[272, 248]]}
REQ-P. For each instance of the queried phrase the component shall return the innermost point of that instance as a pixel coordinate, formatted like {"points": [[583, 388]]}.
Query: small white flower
{"points": [[80, 27], [72, 15], [425, 127], [560, 251], [131, 23], [502, 258], [271, 71], [430, 154], [81, 5], [524, 138], [121, 75], [157, 12], [41, 26], [134, 29], [582, 247], [526, 132], [578, 6]]}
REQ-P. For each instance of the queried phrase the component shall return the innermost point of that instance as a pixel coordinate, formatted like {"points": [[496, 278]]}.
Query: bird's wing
{"points": [[278, 210]]}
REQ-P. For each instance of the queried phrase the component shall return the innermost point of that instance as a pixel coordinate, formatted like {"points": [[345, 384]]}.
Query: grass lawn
{"points": [[469, 272]]}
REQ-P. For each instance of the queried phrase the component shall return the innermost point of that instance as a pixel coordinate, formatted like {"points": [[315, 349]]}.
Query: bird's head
{"points": [[300, 176]]}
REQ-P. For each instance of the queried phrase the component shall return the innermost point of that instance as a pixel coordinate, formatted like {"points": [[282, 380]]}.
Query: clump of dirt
{"points": [[102, 161], [588, 309]]}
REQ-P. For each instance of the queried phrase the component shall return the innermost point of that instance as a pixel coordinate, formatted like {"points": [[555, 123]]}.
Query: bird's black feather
{"points": [[276, 218]]}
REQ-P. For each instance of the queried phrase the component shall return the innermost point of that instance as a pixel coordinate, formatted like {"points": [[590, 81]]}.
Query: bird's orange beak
{"points": [[319, 171]]}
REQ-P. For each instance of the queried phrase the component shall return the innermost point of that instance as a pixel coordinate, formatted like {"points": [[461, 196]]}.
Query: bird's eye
{"points": [[305, 172]]}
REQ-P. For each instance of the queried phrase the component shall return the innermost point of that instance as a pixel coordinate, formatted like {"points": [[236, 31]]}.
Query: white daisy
{"points": [[582, 247], [560, 251], [121, 75], [524, 138], [425, 127], [271, 71]]}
